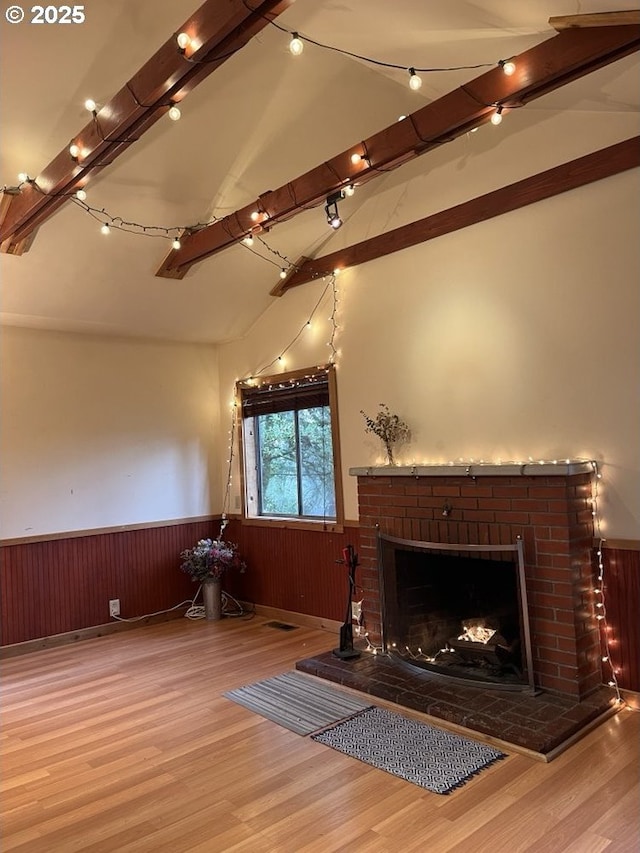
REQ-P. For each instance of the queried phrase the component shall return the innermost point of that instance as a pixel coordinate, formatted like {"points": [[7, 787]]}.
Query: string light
{"points": [[105, 228], [81, 195], [600, 587], [174, 113], [23, 178], [90, 105], [184, 40], [508, 66], [415, 81], [248, 240], [74, 151], [496, 118], [176, 243], [296, 45]]}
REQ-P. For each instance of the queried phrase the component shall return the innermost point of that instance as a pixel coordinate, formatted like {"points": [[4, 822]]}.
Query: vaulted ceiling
{"points": [[255, 121]]}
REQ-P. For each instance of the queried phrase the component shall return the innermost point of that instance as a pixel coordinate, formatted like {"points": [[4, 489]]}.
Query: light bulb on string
{"points": [[508, 66], [176, 243], [496, 119], [296, 45], [283, 273], [174, 113], [184, 40], [105, 228], [23, 177], [74, 150], [81, 195], [248, 240], [415, 81], [349, 190], [90, 105]]}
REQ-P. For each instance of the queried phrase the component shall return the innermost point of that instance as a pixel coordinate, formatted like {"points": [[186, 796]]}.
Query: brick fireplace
{"points": [[547, 505]]}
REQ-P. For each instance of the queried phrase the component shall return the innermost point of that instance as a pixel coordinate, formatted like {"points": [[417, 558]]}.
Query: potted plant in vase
{"points": [[207, 562]]}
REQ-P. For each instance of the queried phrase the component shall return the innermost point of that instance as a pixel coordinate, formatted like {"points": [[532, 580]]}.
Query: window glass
{"points": [[289, 447]]}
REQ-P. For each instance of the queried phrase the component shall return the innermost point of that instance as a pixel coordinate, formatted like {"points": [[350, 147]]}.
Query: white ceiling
{"points": [[261, 119]]}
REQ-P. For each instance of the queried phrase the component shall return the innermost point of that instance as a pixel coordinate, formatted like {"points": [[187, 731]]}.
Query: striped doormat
{"points": [[298, 702]]}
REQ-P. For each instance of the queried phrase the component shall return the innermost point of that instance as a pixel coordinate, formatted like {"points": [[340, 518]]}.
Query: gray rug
{"points": [[298, 702], [432, 758]]}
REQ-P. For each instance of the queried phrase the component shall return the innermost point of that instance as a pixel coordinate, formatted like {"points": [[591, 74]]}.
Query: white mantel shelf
{"points": [[479, 469]]}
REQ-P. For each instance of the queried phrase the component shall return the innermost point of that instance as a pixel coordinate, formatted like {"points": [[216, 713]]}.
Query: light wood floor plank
{"points": [[125, 744]]}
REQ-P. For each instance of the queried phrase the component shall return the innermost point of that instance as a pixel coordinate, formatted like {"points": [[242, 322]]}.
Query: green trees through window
{"points": [[296, 463]]}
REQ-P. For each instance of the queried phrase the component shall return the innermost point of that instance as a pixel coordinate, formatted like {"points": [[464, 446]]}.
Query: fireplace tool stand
{"points": [[346, 650]]}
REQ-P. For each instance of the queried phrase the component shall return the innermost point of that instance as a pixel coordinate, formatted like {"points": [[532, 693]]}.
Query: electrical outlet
{"points": [[114, 607]]}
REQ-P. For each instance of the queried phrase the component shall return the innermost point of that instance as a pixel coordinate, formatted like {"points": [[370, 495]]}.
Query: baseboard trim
{"points": [[56, 640]]}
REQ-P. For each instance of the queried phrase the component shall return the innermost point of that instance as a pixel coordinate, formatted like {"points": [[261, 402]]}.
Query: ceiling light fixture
{"points": [[331, 209], [415, 81], [296, 45]]}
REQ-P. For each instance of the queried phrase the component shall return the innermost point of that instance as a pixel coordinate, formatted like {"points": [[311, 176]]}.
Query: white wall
{"points": [[99, 432], [515, 337]]}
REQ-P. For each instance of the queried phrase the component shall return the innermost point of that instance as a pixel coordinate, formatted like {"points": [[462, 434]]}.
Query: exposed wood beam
{"points": [[565, 57], [597, 19], [568, 176], [217, 31]]}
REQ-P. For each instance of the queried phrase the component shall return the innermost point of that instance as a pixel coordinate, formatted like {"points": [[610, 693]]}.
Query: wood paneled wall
{"points": [[64, 584], [294, 570]]}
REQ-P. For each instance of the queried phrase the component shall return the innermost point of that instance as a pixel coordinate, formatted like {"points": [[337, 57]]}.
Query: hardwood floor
{"points": [[125, 743]]}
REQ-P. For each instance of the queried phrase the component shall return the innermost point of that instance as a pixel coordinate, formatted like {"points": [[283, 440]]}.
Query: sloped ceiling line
{"points": [[219, 30], [570, 54]]}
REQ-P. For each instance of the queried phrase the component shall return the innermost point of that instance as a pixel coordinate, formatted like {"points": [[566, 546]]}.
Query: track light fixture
{"points": [[331, 209]]}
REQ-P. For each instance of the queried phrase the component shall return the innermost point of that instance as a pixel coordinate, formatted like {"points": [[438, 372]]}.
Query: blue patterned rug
{"points": [[432, 758]]}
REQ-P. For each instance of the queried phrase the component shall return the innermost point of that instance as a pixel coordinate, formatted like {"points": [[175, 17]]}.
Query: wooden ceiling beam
{"points": [[565, 57], [568, 176], [217, 31]]}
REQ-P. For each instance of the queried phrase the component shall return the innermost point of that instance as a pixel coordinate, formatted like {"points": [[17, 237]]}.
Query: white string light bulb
{"points": [[248, 240], [296, 45], [176, 243], [415, 81], [283, 273], [350, 190], [23, 177], [508, 66], [496, 118], [174, 113], [105, 229], [81, 195], [183, 41], [74, 150], [90, 105]]}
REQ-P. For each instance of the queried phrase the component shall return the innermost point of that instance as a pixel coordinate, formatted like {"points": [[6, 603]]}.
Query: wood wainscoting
{"points": [[63, 583], [60, 584]]}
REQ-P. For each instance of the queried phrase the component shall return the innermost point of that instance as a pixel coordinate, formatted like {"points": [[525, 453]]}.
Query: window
{"points": [[290, 449]]}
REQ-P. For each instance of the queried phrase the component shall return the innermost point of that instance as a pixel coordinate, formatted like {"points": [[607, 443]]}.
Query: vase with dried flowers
{"points": [[207, 562], [389, 429]]}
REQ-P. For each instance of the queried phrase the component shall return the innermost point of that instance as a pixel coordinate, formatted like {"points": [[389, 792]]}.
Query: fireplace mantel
{"points": [[479, 469]]}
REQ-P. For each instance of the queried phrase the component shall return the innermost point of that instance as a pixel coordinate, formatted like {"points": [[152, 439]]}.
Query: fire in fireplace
{"points": [[457, 610]]}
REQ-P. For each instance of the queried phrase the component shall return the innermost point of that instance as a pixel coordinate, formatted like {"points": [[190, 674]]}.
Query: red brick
{"points": [[476, 491], [547, 491], [510, 491], [446, 491]]}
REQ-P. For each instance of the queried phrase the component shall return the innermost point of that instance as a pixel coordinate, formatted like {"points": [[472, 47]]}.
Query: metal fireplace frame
{"points": [[516, 549]]}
